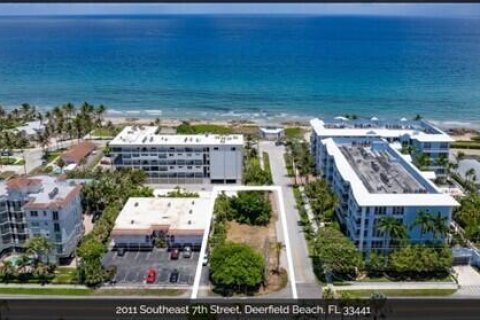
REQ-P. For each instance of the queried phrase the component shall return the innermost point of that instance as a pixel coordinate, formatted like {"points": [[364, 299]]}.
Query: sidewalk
{"points": [[401, 285]]}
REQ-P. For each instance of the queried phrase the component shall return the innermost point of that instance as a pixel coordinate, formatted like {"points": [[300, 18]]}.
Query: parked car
{"points": [[174, 276], [151, 275], [121, 252], [187, 252], [174, 254], [205, 258], [6, 153]]}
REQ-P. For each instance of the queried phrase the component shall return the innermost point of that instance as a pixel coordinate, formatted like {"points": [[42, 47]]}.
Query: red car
{"points": [[174, 254], [151, 275]]}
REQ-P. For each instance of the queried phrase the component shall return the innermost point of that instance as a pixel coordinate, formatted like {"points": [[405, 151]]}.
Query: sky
{"points": [[396, 9]]}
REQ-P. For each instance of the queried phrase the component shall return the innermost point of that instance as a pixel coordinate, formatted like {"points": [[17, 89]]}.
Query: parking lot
{"points": [[132, 268]]}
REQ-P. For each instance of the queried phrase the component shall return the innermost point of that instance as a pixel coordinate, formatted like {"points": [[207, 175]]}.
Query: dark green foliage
{"points": [[237, 267], [335, 253], [251, 207], [420, 262]]}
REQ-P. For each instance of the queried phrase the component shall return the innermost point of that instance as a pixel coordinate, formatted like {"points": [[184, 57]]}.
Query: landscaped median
{"points": [[367, 293]]}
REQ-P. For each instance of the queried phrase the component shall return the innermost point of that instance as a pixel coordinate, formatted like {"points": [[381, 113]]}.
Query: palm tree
{"points": [[440, 225], [278, 248], [442, 161], [39, 246], [7, 270], [422, 161], [418, 117], [471, 174], [425, 221], [392, 229], [61, 163]]}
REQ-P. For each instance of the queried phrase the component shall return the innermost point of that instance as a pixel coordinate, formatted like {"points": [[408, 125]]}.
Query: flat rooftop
{"points": [[379, 172], [143, 215], [416, 129], [147, 135]]}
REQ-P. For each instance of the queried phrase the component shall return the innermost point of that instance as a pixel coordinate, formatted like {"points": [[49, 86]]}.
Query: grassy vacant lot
{"points": [[401, 292], [185, 128], [104, 132], [91, 292], [465, 145], [294, 133]]}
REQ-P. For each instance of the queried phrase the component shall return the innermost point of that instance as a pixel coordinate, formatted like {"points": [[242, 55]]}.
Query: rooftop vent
{"points": [[189, 221], [169, 204], [190, 211], [132, 221], [136, 204], [53, 193]]}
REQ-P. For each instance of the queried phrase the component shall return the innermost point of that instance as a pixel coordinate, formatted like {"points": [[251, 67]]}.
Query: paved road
{"points": [[306, 281]]}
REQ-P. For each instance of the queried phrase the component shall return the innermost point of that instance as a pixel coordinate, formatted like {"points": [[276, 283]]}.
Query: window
{"points": [[59, 249], [55, 215], [58, 237], [33, 213], [35, 224], [397, 210], [427, 145], [216, 148], [380, 210], [56, 227], [233, 149]]}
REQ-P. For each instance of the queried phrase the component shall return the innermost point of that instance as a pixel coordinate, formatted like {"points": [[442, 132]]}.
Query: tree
{"points": [[424, 221], [376, 264], [236, 266], [392, 229], [471, 174], [278, 248], [421, 262], [418, 117], [61, 163], [422, 161], [7, 270], [335, 252], [39, 246], [251, 207], [93, 273]]}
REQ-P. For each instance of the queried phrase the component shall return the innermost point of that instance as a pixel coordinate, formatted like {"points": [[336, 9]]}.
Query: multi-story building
{"points": [[371, 180], [40, 205], [179, 158], [417, 136]]}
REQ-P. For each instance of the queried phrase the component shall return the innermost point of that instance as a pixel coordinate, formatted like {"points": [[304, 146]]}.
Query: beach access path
{"points": [[307, 284]]}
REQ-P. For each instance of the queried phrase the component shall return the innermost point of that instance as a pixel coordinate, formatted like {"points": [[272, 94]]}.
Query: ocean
{"points": [[250, 67]]}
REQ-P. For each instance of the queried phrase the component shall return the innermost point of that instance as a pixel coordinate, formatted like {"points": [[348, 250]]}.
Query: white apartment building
{"points": [[179, 221], [179, 158], [372, 180], [419, 136], [40, 205]]}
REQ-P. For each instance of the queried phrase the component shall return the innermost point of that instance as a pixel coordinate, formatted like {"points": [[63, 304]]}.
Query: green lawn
{"points": [[52, 155], [7, 161], [65, 276], [294, 133], [47, 291], [6, 174], [103, 132], [465, 145], [203, 128], [90, 292], [387, 279], [401, 292]]}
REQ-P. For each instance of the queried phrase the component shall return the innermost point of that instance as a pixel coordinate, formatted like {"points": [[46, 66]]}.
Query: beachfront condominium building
{"points": [[40, 206], [372, 180], [179, 158], [418, 138]]}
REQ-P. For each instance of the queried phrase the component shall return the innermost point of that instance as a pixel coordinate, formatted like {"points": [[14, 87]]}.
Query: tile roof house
{"points": [[77, 152]]}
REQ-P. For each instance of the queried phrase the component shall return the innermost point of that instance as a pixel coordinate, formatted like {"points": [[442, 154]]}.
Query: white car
{"points": [[205, 258]]}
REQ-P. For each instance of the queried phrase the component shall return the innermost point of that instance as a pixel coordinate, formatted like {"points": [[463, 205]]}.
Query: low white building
{"points": [[271, 133], [179, 158], [178, 221]]}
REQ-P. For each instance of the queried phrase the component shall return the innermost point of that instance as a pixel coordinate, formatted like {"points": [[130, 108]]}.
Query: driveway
{"points": [[305, 278], [132, 268], [468, 280]]}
